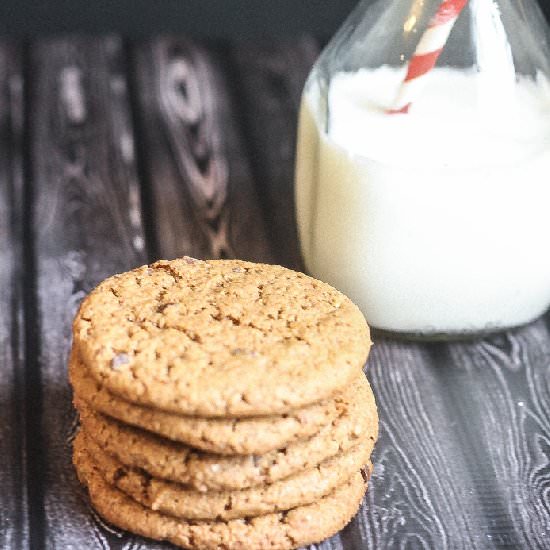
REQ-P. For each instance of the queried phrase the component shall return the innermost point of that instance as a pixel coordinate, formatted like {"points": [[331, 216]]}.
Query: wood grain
{"points": [[14, 527], [203, 197], [421, 494], [270, 77], [86, 225], [500, 390]]}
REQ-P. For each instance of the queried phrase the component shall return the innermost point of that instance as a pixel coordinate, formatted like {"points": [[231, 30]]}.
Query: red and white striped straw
{"points": [[427, 52]]}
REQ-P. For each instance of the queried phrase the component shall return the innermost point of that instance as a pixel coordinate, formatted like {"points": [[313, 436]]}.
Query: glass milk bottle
{"points": [[423, 165]]}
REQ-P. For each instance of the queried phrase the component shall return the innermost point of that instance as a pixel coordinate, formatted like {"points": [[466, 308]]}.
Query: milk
{"points": [[435, 221]]}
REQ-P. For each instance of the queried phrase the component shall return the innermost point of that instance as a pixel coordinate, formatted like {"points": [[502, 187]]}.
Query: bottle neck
{"points": [[504, 36]]}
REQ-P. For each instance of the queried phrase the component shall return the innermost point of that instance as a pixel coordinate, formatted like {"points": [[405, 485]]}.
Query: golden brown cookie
{"points": [[220, 338], [176, 500], [231, 436], [357, 420], [278, 531]]}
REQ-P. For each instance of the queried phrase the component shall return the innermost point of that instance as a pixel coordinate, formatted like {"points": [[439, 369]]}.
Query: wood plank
{"points": [[86, 225], [202, 192], [421, 493], [13, 510], [500, 390], [271, 76], [181, 219]]}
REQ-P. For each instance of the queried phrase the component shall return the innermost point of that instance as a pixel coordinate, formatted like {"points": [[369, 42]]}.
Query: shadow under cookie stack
{"points": [[223, 404]]}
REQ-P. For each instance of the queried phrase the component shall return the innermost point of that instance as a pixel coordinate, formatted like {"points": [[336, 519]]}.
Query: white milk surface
{"points": [[434, 221]]}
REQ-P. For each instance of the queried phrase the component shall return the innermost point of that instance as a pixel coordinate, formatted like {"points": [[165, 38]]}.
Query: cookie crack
{"points": [[193, 336], [170, 270]]}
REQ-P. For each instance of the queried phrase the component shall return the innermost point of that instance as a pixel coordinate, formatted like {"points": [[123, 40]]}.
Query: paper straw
{"points": [[427, 52]]}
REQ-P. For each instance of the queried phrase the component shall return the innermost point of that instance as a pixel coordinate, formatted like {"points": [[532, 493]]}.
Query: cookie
{"points": [[176, 500], [254, 435], [220, 338], [277, 531], [357, 419]]}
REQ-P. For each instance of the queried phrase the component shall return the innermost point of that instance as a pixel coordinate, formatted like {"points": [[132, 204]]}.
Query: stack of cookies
{"points": [[222, 404]]}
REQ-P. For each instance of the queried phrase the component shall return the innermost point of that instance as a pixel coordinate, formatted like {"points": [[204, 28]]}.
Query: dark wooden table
{"points": [[113, 154]]}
